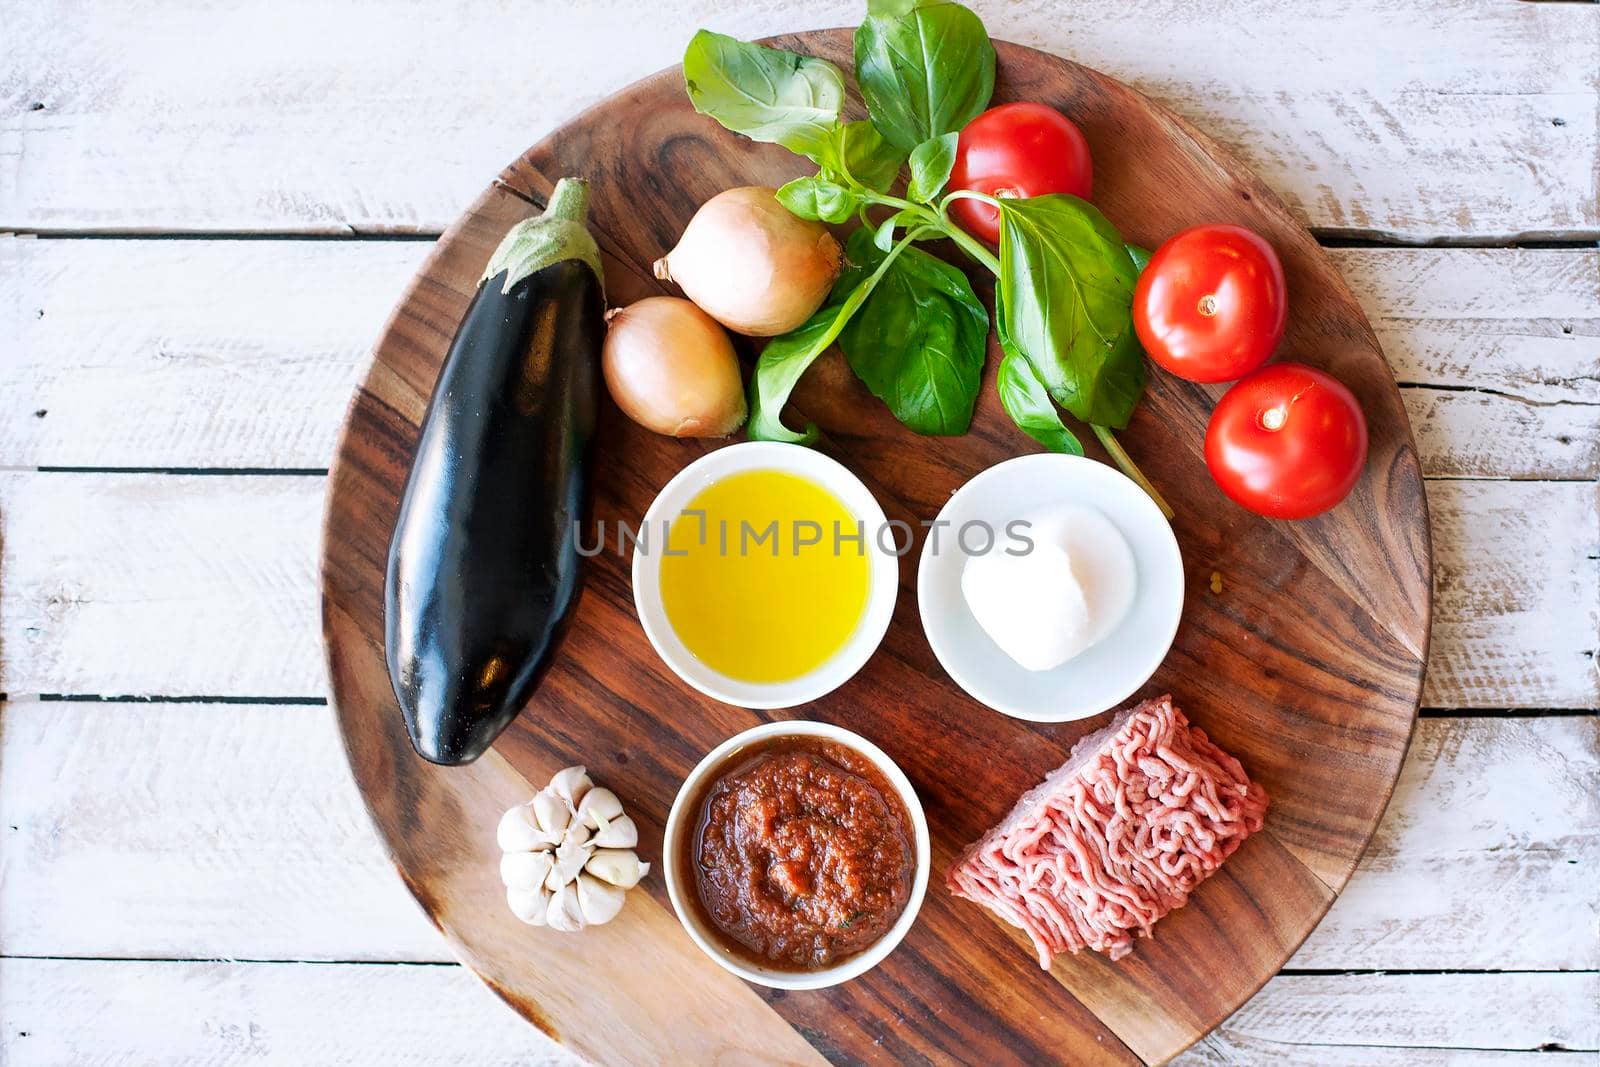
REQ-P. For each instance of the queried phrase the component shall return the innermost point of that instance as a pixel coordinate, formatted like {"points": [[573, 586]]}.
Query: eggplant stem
{"points": [[1131, 469], [569, 200], [555, 235]]}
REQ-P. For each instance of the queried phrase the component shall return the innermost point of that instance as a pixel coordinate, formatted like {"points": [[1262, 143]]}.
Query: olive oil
{"points": [[770, 581]]}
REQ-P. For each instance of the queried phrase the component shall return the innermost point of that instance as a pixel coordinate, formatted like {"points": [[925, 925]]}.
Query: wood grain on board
{"points": [[1318, 704], [1449, 119]]}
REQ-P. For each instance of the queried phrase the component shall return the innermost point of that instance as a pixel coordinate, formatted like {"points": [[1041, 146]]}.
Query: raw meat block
{"points": [[1141, 813]]}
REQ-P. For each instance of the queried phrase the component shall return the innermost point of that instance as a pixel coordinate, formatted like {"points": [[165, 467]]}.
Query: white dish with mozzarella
{"points": [[1065, 617]]}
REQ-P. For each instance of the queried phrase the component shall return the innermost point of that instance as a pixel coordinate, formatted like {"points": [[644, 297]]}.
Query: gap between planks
{"points": [[1286, 972]]}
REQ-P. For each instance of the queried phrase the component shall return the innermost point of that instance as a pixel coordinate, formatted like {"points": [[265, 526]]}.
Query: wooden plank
{"points": [[82, 1011], [1516, 608], [1498, 350], [1502, 803], [1379, 1019], [200, 585], [347, 118], [187, 353], [1497, 353], [193, 831], [1485, 858], [93, 1011], [223, 600]]}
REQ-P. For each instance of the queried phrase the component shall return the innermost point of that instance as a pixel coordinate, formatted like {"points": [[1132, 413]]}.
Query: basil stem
{"points": [[1130, 468]]}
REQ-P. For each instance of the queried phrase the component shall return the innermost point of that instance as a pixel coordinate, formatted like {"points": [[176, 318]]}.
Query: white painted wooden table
{"points": [[214, 207]]}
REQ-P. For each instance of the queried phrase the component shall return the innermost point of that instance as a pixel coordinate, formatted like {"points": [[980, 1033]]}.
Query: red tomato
{"points": [[1211, 305], [1288, 441], [1018, 150]]}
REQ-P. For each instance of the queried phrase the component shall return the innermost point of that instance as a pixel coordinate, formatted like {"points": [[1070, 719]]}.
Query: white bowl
{"points": [[883, 575], [1108, 672], [681, 884]]}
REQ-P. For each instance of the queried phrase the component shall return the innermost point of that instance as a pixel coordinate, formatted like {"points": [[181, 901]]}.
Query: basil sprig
{"points": [[910, 325]]}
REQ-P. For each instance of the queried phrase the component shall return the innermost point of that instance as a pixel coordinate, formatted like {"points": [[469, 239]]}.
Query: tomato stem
{"points": [[1131, 469]]}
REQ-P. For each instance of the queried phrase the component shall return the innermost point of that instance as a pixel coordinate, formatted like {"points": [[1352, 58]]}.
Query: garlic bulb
{"points": [[568, 858]]}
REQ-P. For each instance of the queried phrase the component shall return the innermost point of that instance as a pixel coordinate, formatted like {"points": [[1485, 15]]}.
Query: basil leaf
{"points": [[919, 340], [818, 199], [931, 163], [764, 93], [925, 69], [1024, 396], [883, 240], [905, 218], [778, 369], [1028, 403], [1140, 257], [1066, 285], [786, 358], [857, 149]]}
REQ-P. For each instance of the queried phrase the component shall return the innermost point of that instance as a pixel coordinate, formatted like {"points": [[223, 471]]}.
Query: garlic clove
{"points": [[570, 858], [599, 902], [529, 905], [551, 812], [571, 784], [577, 834], [618, 866], [618, 833], [517, 832], [564, 912], [525, 870], [599, 807]]}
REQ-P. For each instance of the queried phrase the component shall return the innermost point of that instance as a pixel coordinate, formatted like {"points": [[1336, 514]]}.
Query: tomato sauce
{"points": [[802, 854]]}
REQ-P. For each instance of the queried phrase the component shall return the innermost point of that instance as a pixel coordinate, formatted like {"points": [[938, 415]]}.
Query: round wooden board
{"points": [[1307, 665]]}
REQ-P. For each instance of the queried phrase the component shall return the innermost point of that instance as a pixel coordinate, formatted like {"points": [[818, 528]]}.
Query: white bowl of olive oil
{"points": [[765, 575]]}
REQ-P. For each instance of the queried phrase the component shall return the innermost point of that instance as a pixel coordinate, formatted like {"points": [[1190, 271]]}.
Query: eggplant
{"points": [[484, 573]]}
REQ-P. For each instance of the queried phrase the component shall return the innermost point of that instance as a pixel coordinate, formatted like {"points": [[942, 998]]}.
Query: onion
{"points": [[752, 265], [672, 370]]}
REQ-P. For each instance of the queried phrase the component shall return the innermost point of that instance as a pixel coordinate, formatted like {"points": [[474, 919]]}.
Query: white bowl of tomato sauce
{"points": [[796, 855]]}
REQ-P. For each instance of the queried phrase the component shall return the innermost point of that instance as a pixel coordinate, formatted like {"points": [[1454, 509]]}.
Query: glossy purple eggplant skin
{"points": [[484, 574]]}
